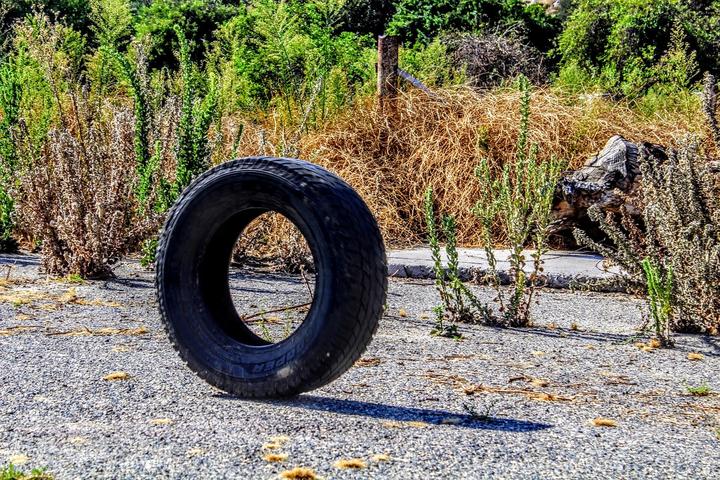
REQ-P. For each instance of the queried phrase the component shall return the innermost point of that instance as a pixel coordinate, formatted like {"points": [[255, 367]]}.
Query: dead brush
{"points": [[77, 197], [436, 141], [272, 242]]}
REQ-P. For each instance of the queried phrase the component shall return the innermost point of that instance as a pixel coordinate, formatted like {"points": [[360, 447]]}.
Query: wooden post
{"points": [[387, 69]]}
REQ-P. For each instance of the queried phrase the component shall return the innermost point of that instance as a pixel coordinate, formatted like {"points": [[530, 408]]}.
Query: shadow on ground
{"points": [[402, 414]]}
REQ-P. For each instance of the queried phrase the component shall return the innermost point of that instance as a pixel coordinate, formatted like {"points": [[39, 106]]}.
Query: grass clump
{"points": [[659, 293]]}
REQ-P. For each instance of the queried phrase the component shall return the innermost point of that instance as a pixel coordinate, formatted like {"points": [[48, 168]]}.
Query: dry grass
{"points": [[391, 160]]}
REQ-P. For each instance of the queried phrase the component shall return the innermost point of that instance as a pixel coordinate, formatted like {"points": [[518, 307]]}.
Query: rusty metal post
{"points": [[387, 69]]}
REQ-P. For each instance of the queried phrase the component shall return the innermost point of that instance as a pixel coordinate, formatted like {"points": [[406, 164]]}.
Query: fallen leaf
{"points": [[299, 473], [18, 459], [161, 421], [368, 362], [538, 382], [603, 422], [695, 356], [380, 457], [271, 446], [411, 424], [70, 296], [350, 463], [574, 327], [654, 343], [78, 440], [537, 353], [275, 457], [194, 452], [116, 376], [552, 326], [402, 312]]}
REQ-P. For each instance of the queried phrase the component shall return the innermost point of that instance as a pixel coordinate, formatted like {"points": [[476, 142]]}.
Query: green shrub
{"points": [[631, 46], [10, 89], [288, 57], [423, 20], [197, 18], [196, 115]]}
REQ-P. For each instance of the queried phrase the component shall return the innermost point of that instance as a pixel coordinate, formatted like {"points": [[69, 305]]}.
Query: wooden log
{"points": [[609, 180]]}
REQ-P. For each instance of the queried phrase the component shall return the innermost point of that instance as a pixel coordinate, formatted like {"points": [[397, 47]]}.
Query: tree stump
{"points": [[609, 180]]}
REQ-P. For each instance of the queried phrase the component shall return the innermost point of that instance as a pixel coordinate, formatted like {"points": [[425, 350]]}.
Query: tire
{"points": [[193, 259]]}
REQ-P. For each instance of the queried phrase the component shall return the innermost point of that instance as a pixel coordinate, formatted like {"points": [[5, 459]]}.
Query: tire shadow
{"points": [[394, 413]]}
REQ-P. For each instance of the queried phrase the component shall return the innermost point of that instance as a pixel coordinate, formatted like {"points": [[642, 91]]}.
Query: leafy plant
{"points": [[520, 199], [458, 303], [659, 292], [196, 116], [632, 46], [9, 112]]}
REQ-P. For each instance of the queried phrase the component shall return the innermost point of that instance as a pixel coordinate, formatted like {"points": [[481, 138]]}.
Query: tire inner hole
{"points": [[272, 277]]}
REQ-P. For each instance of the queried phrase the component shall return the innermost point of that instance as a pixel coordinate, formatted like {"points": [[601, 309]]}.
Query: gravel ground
{"points": [[497, 404]]}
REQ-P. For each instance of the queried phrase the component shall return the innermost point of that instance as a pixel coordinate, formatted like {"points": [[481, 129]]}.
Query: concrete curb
{"points": [[562, 270]]}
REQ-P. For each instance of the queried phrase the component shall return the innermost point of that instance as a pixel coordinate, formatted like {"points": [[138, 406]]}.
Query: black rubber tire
{"points": [[193, 259]]}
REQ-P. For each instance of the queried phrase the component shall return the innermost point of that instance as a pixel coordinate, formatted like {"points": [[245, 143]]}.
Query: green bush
{"points": [[632, 46], [288, 56], [9, 112], [425, 19], [197, 18]]}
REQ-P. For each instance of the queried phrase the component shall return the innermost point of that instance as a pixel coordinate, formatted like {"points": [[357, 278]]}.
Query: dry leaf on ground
{"points": [[695, 356], [299, 473], [380, 457], [603, 422], [18, 459], [161, 421], [275, 457], [116, 376], [368, 362], [350, 463]]}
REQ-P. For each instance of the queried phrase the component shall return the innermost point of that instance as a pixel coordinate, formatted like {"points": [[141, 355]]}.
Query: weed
{"points": [[11, 472], [699, 391], [520, 199], [458, 303], [659, 292], [680, 240]]}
